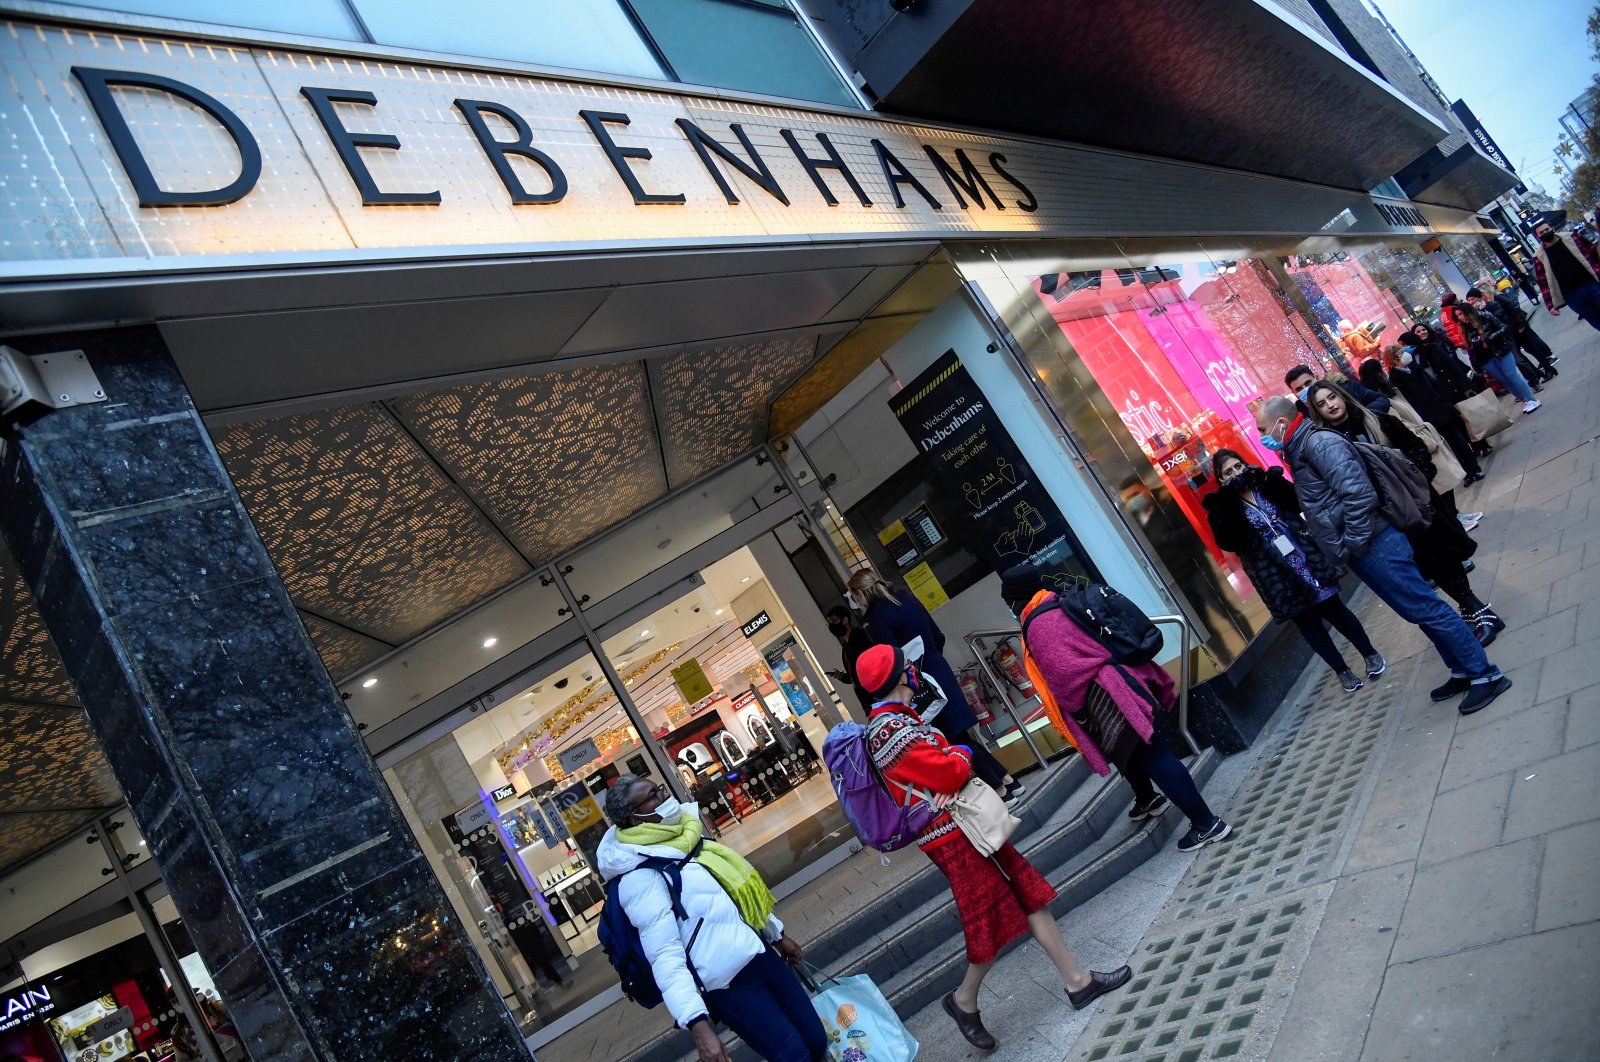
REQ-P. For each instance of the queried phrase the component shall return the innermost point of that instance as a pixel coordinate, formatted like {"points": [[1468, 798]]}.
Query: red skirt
{"points": [[994, 906]]}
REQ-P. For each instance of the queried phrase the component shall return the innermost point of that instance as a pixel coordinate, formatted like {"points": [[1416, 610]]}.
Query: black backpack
{"points": [[1108, 618], [620, 938]]}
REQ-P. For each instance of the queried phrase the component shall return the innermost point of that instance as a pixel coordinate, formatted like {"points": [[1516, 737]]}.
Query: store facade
{"points": [[563, 409]]}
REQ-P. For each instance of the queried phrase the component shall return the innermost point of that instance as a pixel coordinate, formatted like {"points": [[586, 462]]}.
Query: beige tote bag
{"points": [[983, 817]]}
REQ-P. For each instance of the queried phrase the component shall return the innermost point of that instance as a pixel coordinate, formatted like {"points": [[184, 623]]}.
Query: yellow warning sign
{"points": [[925, 585]]}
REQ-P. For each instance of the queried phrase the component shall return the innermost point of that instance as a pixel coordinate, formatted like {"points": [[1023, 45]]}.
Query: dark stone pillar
{"points": [[296, 875]]}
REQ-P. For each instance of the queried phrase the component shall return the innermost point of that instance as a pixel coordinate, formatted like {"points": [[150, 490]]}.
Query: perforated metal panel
{"points": [[552, 458], [30, 669], [363, 527], [343, 651], [713, 402]]}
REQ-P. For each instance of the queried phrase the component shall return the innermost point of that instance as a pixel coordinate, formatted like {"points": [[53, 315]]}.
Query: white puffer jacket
{"points": [[723, 945]]}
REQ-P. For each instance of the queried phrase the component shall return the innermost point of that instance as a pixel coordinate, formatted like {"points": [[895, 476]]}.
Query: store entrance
{"points": [[710, 686]]}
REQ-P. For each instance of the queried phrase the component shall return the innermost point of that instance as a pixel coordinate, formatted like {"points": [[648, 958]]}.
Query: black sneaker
{"points": [[1158, 804], [1195, 839], [1099, 984], [1482, 693], [1376, 664], [1348, 680], [1453, 688]]}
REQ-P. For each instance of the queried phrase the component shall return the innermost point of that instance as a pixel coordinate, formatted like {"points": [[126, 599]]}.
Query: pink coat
{"points": [[1068, 660]]}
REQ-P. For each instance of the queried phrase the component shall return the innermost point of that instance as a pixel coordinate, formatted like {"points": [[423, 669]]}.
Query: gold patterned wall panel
{"points": [[25, 836], [712, 402], [343, 651], [363, 527], [553, 459], [30, 669], [52, 761], [846, 360]]}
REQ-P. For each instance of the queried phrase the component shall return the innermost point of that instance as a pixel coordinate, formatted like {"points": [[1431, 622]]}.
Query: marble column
{"points": [[301, 884]]}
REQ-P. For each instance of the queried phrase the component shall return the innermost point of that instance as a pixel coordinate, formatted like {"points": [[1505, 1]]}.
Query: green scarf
{"points": [[731, 870]]}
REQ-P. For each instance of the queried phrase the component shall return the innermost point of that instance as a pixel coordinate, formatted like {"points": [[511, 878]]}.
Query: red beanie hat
{"points": [[879, 669]]}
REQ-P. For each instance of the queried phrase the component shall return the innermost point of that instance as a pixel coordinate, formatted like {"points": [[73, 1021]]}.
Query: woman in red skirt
{"points": [[999, 898]]}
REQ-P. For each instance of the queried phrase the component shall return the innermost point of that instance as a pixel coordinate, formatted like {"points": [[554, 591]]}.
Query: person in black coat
{"points": [[895, 617], [1255, 514], [1430, 403], [1442, 548], [1434, 367], [1521, 328], [853, 641]]}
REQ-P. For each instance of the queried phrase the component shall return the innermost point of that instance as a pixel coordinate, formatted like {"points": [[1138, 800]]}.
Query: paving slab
{"points": [[1472, 900], [1505, 743], [1530, 998], [1554, 793], [1466, 820]]}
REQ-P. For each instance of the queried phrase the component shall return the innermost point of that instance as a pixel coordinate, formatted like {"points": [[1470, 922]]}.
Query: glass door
{"points": [[734, 698], [509, 807]]}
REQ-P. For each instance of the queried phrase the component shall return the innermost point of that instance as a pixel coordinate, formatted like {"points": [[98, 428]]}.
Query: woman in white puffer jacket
{"points": [[736, 945]]}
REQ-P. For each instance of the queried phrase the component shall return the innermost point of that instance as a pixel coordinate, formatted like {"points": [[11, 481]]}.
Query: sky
{"points": [[1517, 63]]}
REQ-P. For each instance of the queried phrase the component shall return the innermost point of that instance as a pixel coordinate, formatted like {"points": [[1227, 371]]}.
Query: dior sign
{"points": [[955, 175]]}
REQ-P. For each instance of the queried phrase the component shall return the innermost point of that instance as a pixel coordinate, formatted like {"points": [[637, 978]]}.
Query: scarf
{"points": [[730, 869]]}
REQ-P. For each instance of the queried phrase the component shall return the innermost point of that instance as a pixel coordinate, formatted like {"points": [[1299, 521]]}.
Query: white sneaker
{"points": [[1529, 407], [1470, 520]]}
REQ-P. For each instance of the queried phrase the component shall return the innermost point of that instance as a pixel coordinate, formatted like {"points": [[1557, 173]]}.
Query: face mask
{"points": [[838, 627], [1405, 358], [1271, 440], [1303, 392], [853, 601], [669, 811]]}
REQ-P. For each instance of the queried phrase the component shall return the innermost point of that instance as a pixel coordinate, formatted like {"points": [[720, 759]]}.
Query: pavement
{"points": [[1403, 882]]}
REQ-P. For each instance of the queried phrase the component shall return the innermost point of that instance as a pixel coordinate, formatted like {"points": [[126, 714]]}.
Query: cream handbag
{"points": [[983, 817]]}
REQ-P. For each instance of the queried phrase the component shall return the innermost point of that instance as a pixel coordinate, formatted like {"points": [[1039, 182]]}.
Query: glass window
{"points": [[580, 34], [741, 44], [313, 18]]}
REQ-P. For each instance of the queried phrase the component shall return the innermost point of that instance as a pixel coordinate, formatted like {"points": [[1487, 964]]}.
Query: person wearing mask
{"points": [[1487, 341], [1443, 549], [1401, 409], [1300, 378], [719, 953], [898, 618], [998, 898], [1107, 710], [1345, 516], [853, 641], [1434, 391], [1531, 370], [1255, 515], [1565, 268], [1528, 341]]}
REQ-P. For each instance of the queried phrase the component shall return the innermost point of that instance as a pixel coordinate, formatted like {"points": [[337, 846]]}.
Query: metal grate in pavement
{"points": [[1288, 824], [1207, 992]]}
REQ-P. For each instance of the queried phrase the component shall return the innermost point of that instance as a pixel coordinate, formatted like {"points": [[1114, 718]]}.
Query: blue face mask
{"points": [[1305, 393], [1271, 442]]}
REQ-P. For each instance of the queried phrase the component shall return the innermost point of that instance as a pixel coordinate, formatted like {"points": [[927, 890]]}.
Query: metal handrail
{"points": [[974, 643]]}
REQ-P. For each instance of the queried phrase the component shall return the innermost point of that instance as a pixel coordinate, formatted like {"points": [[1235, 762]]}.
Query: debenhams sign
{"points": [[144, 147]]}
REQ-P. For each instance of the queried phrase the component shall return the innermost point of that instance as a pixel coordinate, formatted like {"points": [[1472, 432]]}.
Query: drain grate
{"points": [[1207, 992], [1288, 824]]}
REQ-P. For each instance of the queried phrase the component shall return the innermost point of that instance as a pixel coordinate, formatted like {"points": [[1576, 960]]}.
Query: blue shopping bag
{"points": [[860, 1023]]}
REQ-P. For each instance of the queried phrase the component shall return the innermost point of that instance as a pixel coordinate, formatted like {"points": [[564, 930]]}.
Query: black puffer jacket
{"points": [[1432, 403], [1283, 590], [1336, 495]]}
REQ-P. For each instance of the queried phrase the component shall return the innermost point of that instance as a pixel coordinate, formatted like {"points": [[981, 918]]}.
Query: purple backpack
{"points": [[877, 817]]}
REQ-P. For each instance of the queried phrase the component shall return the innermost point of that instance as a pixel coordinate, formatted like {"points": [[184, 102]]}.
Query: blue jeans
{"points": [[1390, 569], [1504, 368], [1585, 302], [770, 1010]]}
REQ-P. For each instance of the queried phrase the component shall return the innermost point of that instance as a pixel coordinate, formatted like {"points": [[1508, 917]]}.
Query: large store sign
{"points": [[24, 1005], [131, 148]]}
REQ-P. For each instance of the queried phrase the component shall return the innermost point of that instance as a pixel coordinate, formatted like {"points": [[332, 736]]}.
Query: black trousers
{"points": [[1530, 341], [1312, 627], [1454, 434]]}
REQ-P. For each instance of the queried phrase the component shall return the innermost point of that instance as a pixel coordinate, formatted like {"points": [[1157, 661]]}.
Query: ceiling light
{"points": [[489, 642], [645, 633], [720, 611], [746, 579], [367, 684]]}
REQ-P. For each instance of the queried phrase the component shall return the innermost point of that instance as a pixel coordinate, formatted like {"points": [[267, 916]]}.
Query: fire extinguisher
{"points": [[972, 689], [1009, 661]]}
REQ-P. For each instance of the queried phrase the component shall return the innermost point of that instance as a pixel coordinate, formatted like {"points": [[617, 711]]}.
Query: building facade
{"points": [[417, 418]]}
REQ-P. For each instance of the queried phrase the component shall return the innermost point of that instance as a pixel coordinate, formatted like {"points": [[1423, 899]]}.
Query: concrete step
{"points": [[1075, 831]]}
